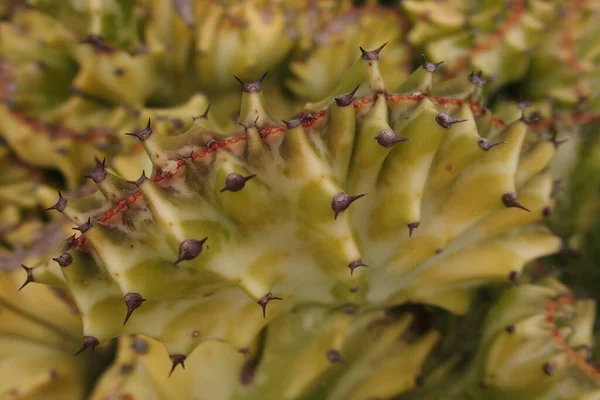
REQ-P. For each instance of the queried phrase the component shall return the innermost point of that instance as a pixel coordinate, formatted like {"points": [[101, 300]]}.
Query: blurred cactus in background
{"points": [[308, 199]]}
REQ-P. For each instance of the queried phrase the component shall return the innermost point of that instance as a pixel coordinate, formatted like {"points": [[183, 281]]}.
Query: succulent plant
{"points": [[329, 234]]}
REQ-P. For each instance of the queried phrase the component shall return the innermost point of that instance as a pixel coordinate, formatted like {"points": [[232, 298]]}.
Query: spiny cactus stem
{"points": [[29, 278], [263, 301], [176, 359], [88, 341]]}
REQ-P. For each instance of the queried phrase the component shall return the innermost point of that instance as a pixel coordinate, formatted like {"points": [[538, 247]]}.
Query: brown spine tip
{"points": [[429, 66], [235, 182], [133, 301], [64, 260], [335, 357], [291, 124], [510, 329], [253, 87], [342, 201], [439, 251], [412, 226], [355, 264], [140, 180], [554, 139], [99, 173], [373, 54], [140, 346], [176, 359], [144, 133], [547, 211], [446, 121], [88, 341], [29, 278], [263, 301], [548, 368], [514, 277], [486, 144], [60, 204], [85, 226], [388, 138], [252, 125], [97, 42], [346, 99], [510, 201], [203, 115], [125, 369], [477, 79], [189, 249]]}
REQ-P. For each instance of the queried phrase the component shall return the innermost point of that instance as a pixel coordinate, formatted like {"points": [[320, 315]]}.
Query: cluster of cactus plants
{"points": [[330, 232]]}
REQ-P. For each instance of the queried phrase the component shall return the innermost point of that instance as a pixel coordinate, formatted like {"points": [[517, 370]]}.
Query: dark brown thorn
{"points": [[29, 278], [263, 301], [387, 138], [176, 359], [354, 289], [60, 204], [88, 341], [510, 201], [291, 124], [144, 133], [335, 357], [252, 125], [554, 139], [140, 346], [486, 144], [97, 42], [510, 329], [342, 201], [477, 79], [235, 182], [64, 260], [346, 99], [546, 211], [373, 54], [140, 180], [119, 71], [177, 123], [99, 173], [133, 301], [355, 264], [429, 66], [125, 369], [252, 87], [412, 226], [548, 368], [85, 226], [446, 121], [514, 277], [248, 371], [204, 114], [189, 249], [439, 251]]}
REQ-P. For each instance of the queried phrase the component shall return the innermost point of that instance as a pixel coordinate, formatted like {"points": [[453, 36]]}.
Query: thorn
{"points": [[85, 226], [446, 121], [97, 42], [349, 309], [438, 251], [477, 80], [64, 260], [133, 301], [486, 144], [140, 346], [342, 201], [189, 249], [119, 71], [294, 123], [510, 329], [554, 139], [355, 264], [140, 180], [253, 87], [346, 99], [176, 359], [524, 119], [412, 226], [177, 123], [99, 173], [387, 138], [88, 341], [354, 289], [60, 204], [235, 182], [548, 369], [419, 381], [203, 115], [373, 54], [125, 369], [263, 301], [429, 66], [144, 133], [29, 278], [246, 127], [510, 200], [335, 357], [248, 371], [547, 211], [514, 277]]}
